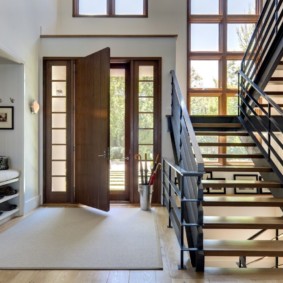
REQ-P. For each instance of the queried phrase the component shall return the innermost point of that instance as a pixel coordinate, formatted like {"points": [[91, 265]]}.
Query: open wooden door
{"points": [[92, 130]]}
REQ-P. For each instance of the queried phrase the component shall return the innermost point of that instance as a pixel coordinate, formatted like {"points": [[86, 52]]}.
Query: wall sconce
{"points": [[34, 107]]}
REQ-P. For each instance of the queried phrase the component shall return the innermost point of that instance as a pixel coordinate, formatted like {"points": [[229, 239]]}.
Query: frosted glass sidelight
{"points": [[58, 73], [59, 120], [58, 104], [59, 152], [59, 136], [58, 88], [59, 168], [58, 184]]}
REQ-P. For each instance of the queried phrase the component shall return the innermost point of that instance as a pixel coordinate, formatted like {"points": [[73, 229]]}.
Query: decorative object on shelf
{"points": [[6, 117], [34, 107], [246, 177]]}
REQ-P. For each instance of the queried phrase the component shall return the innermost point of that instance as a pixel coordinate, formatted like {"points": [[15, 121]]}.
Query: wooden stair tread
{"points": [[217, 125], [237, 168], [242, 248], [227, 155], [221, 133], [240, 184], [240, 200], [274, 92], [242, 222], [266, 105], [226, 144]]}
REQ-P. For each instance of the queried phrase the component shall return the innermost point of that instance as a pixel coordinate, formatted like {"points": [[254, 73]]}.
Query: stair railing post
{"points": [[170, 193], [269, 130], [182, 226], [276, 258]]}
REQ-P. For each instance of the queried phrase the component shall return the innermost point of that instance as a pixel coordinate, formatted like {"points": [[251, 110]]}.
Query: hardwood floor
{"points": [[170, 273]]}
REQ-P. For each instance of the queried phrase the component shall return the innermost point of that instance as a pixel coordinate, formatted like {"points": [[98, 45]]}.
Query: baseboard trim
{"points": [[31, 204]]}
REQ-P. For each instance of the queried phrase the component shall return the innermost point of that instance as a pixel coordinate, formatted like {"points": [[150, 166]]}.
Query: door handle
{"points": [[102, 155], [126, 158]]}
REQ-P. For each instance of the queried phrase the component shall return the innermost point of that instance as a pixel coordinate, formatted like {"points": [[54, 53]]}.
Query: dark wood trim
{"points": [[48, 195], [108, 36]]}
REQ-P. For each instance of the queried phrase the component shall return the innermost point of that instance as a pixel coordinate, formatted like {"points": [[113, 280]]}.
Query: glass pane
{"points": [[59, 136], [146, 149], [59, 73], [145, 104], [207, 138], [204, 74], [236, 150], [145, 121], [232, 105], [246, 7], [129, 7], [58, 184], [58, 88], [239, 36], [59, 152], [58, 120], [117, 129], [204, 37], [59, 168], [58, 104], [145, 88], [146, 73], [93, 7], [204, 106], [205, 7], [233, 66], [145, 136]]}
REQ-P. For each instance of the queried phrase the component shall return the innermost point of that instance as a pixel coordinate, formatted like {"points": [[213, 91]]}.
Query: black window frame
{"points": [[110, 11]]}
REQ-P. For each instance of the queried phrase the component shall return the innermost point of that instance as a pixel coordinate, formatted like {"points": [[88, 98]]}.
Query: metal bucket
{"points": [[145, 196]]}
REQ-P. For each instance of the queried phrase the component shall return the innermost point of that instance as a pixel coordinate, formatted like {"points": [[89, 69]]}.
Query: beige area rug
{"points": [[82, 238]]}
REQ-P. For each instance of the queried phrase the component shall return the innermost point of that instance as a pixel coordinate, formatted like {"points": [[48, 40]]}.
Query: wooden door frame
{"points": [[134, 194], [133, 178]]}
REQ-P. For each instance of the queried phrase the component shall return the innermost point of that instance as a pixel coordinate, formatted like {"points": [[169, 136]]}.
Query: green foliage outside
{"points": [[117, 118]]}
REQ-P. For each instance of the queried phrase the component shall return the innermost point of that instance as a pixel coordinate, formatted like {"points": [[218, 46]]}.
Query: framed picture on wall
{"points": [[6, 117], [243, 177]]}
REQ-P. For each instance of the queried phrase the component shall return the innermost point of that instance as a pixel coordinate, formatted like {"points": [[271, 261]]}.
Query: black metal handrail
{"points": [[188, 157], [174, 198], [264, 123], [269, 28]]}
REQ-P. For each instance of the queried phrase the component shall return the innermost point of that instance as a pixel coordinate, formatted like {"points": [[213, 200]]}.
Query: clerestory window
{"points": [[110, 8]]}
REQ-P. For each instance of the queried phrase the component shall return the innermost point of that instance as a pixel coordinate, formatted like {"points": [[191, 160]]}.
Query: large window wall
{"points": [[218, 34]]}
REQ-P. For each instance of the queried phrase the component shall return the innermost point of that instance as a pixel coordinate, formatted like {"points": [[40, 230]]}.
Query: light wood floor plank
{"points": [[170, 273]]}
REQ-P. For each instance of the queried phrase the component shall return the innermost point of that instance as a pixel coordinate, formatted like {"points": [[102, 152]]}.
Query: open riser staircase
{"points": [[224, 190]]}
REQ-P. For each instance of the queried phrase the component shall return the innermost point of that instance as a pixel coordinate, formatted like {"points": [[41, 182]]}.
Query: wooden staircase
{"points": [[244, 202]]}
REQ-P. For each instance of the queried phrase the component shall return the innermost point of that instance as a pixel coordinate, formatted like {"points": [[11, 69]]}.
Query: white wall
{"points": [[164, 17], [20, 23]]}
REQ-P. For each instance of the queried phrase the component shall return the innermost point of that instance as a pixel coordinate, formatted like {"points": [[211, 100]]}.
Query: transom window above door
{"points": [[110, 8]]}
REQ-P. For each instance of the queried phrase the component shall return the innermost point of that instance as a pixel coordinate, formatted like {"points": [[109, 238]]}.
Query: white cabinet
{"points": [[9, 200]]}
